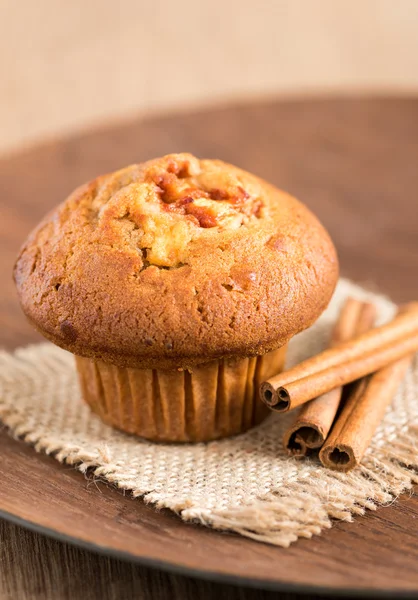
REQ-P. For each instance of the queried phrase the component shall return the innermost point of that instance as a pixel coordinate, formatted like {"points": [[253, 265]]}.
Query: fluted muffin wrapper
{"points": [[214, 400]]}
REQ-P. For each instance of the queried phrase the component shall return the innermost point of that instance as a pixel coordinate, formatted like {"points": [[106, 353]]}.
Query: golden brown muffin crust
{"points": [[176, 262]]}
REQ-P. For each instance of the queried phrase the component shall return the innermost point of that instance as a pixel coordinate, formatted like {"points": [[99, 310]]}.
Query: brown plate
{"points": [[354, 162]]}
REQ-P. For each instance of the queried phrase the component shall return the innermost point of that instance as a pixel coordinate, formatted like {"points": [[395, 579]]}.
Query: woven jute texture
{"points": [[246, 484]]}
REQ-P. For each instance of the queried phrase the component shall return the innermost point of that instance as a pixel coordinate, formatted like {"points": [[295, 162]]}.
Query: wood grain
{"points": [[354, 163], [34, 567]]}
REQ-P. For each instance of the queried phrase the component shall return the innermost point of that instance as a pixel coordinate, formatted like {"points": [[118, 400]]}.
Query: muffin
{"points": [[177, 284]]}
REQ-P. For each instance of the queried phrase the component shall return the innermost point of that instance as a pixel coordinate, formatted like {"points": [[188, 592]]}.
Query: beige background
{"points": [[65, 65]]}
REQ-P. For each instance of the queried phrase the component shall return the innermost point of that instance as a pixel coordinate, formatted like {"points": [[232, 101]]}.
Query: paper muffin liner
{"points": [[215, 400]]}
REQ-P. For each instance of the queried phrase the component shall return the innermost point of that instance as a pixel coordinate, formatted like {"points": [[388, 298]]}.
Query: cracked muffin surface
{"points": [[175, 262]]}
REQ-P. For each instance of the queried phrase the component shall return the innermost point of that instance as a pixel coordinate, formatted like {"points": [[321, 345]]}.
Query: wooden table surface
{"points": [[354, 162]]}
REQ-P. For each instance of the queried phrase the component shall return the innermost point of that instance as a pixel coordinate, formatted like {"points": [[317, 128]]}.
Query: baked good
{"points": [[177, 283]]}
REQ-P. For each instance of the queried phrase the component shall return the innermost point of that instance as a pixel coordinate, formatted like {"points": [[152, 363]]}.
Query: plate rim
{"points": [[208, 575]]}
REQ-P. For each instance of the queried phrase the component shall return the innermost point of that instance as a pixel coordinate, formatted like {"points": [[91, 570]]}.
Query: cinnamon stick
{"points": [[299, 392], [344, 363], [363, 411], [314, 421]]}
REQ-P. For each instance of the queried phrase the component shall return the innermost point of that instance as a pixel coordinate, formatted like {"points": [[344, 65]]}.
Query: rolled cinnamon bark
{"points": [[313, 423], [363, 411], [298, 392], [344, 363]]}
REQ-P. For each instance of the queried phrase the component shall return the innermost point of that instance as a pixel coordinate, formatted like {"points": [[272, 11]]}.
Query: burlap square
{"points": [[246, 484]]}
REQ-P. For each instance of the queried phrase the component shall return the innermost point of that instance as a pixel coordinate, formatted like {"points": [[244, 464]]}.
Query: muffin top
{"points": [[175, 262]]}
